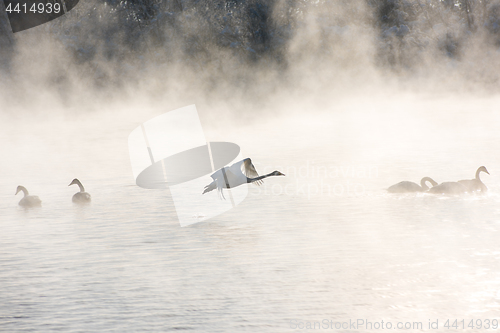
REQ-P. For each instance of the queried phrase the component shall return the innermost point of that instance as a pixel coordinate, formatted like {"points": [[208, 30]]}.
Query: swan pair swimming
{"points": [[29, 201], [462, 186], [242, 172]]}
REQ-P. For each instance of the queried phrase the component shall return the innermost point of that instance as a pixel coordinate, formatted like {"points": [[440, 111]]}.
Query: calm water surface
{"points": [[324, 243]]}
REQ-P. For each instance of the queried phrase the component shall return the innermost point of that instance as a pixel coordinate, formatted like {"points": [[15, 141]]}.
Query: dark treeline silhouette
{"points": [[259, 33], [408, 27], [193, 27]]}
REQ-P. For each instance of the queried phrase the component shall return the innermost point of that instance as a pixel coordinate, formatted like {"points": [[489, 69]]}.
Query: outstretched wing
{"points": [[218, 183], [249, 170], [216, 175]]}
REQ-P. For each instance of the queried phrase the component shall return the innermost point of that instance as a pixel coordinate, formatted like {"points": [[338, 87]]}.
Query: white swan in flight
{"points": [[475, 185], [242, 172], [28, 200], [407, 187], [452, 188], [82, 196]]}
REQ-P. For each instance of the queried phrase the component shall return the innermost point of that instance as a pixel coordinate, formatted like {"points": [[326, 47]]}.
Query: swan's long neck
{"points": [[251, 180], [477, 174], [82, 189], [427, 179], [25, 191]]}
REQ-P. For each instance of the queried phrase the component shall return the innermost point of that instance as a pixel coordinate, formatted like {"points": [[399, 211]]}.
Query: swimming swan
{"points": [[476, 184], [239, 173], [82, 196], [407, 187], [28, 200], [449, 188]]}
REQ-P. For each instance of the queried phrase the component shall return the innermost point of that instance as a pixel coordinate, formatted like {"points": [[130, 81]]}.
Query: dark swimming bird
{"points": [[408, 187], [81, 197], [452, 188], [242, 172], [28, 200], [475, 185]]}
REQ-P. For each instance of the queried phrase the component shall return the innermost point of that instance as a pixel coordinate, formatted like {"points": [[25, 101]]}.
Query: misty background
{"points": [[250, 52], [407, 89]]}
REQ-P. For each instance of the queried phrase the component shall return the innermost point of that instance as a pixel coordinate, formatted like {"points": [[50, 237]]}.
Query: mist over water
{"points": [[344, 97], [249, 53]]}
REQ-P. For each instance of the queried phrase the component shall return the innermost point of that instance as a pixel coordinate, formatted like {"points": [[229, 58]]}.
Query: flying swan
{"points": [[28, 200], [82, 196], [407, 187], [239, 173]]}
